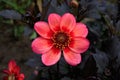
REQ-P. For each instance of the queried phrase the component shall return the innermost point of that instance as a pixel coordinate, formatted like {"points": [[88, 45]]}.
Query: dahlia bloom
{"points": [[61, 35], [13, 72]]}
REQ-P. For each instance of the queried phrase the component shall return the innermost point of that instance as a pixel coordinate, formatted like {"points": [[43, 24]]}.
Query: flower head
{"points": [[13, 72], [60, 34]]}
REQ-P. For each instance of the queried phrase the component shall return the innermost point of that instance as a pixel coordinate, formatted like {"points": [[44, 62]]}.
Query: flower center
{"points": [[61, 40], [11, 77]]}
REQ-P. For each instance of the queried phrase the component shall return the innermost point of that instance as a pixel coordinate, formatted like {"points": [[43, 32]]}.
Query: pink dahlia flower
{"points": [[13, 72], [60, 35]]}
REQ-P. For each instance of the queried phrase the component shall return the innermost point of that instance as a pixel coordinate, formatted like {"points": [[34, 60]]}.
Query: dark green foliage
{"points": [[102, 17]]}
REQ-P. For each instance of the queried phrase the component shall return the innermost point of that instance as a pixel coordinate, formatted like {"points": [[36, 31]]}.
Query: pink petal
{"points": [[41, 45], [79, 31], [16, 70], [43, 29], [68, 22], [11, 65], [21, 77], [6, 71], [79, 45], [54, 22], [51, 57], [71, 57]]}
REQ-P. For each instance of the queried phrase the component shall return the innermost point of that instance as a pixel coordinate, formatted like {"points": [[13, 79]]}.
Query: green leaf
{"points": [[33, 35], [18, 31]]}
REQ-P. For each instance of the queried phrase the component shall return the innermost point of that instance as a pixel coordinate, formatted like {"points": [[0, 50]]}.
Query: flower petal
{"points": [[21, 77], [68, 22], [71, 57], [43, 29], [54, 22], [79, 31], [51, 57], [11, 65], [16, 70], [6, 71], [41, 45], [79, 45]]}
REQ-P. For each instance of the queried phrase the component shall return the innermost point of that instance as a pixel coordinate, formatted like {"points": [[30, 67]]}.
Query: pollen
{"points": [[61, 40]]}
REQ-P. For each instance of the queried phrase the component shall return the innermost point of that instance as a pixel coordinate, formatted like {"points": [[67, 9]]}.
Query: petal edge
{"points": [[43, 29], [68, 22], [51, 57], [79, 45], [41, 45], [54, 21], [71, 57], [79, 31]]}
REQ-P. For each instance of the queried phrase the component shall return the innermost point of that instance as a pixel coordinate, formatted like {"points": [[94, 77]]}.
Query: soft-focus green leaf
{"points": [[33, 35]]}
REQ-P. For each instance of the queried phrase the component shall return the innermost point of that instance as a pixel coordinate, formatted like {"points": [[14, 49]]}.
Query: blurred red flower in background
{"points": [[60, 34], [13, 72]]}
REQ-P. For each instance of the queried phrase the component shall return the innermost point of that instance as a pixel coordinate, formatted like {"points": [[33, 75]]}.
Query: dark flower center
{"points": [[61, 40]]}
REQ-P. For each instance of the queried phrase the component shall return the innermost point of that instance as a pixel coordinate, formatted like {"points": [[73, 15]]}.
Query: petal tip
{"points": [[68, 22]]}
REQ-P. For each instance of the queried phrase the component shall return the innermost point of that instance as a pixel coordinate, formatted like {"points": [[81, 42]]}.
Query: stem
{"points": [[70, 71], [58, 70], [50, 74]]}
